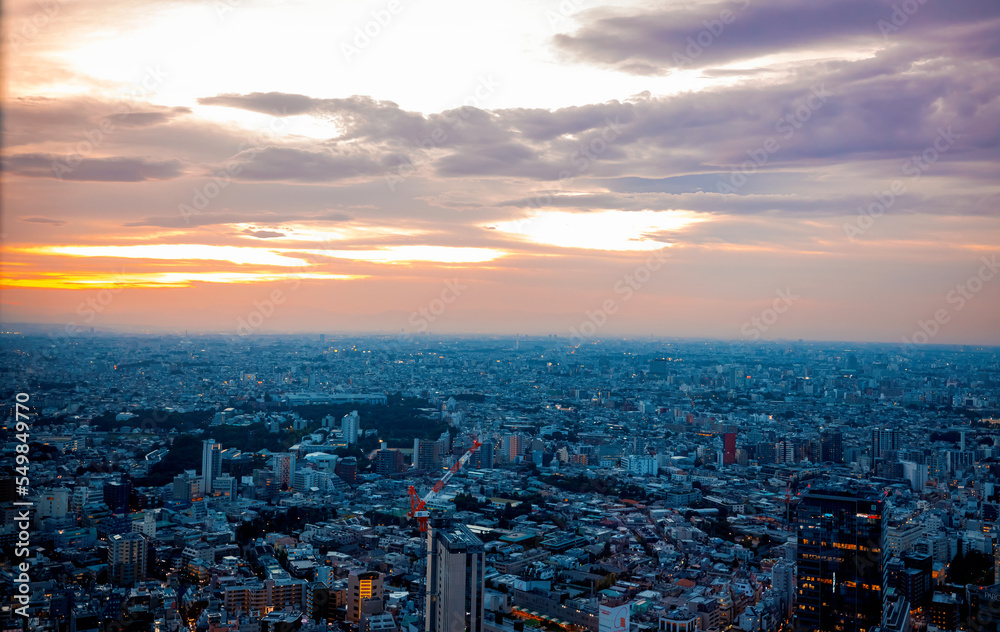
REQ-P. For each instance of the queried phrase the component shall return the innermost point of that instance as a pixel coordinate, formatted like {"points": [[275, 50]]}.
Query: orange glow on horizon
{"points": [[163, 279]]}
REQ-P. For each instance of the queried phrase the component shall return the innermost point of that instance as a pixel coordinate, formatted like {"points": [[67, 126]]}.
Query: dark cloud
{"points": [[75, 119], [133, 118], [209, 218], [284, 163], [501, 159], [44, 220], [274, 103], [116, 169], [263, 234], [677, 37]]}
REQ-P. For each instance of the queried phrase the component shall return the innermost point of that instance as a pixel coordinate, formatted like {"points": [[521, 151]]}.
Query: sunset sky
{"points": [[523, 166]]}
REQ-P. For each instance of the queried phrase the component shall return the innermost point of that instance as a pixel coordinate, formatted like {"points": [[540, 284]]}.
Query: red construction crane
{"points": [[418, 505]]}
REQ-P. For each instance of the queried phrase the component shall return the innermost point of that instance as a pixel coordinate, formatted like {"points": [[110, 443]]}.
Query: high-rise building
{"points": [[482, 459], [185, 486], [116, 496], [347, 469], [840, 557], [127, 558], [283, 464], [984, 605], [832, 447], [783, 584], [455, 585], [265, 483], [511, 448], [211, 465], [350, 425], [884, 441], [728, 448], [388, 462], [80, 496], [426, 454], [364, 596]]}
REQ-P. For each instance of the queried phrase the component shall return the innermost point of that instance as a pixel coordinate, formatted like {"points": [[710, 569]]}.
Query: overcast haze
{"points": [[672, 169]]}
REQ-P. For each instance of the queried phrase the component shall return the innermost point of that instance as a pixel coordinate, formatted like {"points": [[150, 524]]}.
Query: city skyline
{"points": [[748, 171]]}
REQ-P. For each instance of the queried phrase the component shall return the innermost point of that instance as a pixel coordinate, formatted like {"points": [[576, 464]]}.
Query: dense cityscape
{"points": [[497, 484]]}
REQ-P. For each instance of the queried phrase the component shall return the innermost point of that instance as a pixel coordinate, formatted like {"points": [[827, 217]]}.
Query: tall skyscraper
{"points": [[211, 464], [840, 557], [127, 558], [455, 586]]}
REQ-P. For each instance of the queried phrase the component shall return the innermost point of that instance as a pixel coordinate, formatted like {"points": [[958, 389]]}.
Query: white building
{"points": [[350, 425]]}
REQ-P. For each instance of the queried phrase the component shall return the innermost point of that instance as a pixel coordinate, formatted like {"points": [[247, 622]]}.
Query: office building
{"points": [[840, 559], [884, 442], [832, 447], [455, 585], [211, 465]]}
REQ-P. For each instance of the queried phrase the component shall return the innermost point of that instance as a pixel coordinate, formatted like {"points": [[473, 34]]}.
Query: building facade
{"points": [[455, 579], [840, 558]]}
